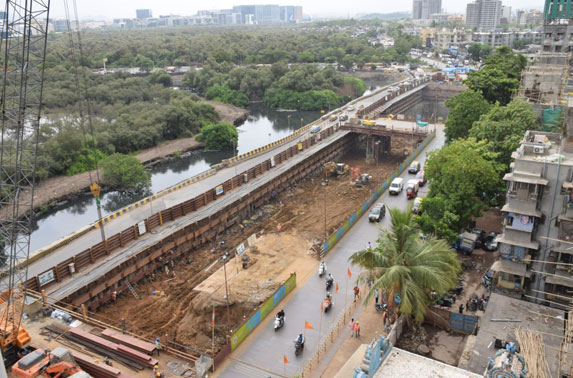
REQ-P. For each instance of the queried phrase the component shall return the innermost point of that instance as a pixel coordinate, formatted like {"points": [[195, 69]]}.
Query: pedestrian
{"points": [[357, 329], [279, 229], [114, 296], [356, 293], [462, 308], [155, 369], [369, 246], [107, 361], [157, 345], [376, 295], [351, 326]]}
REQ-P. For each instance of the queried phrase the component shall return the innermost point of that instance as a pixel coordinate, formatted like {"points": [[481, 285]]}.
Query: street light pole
{"points": [[227, 290]]}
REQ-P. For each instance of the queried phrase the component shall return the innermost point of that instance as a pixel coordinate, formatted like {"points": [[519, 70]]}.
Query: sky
{"points": [[109, 9]]}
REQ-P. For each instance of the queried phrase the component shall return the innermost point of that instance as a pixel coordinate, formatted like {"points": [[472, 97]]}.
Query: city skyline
{"points": [[108, 9]]}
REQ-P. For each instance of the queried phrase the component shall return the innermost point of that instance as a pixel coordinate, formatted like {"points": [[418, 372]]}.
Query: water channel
{"points": [[263, 126]]}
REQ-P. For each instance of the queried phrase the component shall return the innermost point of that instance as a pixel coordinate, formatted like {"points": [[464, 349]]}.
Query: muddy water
{"points": [[263, 126]]}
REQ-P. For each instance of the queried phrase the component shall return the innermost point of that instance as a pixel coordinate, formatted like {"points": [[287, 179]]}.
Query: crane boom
{"points": [[22, 55]]}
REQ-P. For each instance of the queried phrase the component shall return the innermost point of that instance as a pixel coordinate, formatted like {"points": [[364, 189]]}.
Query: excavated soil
{"points": [[179, 308]]}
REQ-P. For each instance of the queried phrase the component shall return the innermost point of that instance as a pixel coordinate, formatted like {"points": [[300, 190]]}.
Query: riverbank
{"points": [[61, 188]]}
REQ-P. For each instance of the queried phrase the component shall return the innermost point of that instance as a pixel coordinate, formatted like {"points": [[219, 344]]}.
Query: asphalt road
{"points": [[133, 217], [267, 347]]}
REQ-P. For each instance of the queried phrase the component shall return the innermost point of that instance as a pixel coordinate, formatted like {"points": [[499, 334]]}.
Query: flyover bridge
{"points": [[83, 270]]}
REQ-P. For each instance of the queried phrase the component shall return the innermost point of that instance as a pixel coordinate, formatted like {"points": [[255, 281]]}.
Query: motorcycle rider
{"points": [[281, 315], [300, 340], [329, 279], [328, 296], [322, 267]]}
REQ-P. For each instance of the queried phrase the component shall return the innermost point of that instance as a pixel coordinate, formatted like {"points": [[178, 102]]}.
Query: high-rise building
{"points": [[422, 9], [267, 14], [557, 26], [143, 13], [506, 13], [483, 14]]}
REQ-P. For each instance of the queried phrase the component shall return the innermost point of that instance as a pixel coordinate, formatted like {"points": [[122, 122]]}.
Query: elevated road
{"points": [[264, 349], [130, 219]]}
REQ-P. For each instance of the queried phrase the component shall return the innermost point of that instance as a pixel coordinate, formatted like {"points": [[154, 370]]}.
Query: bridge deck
{"points": [[404, 129]]}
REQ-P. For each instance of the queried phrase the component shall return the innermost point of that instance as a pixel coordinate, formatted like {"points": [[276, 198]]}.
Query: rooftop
{"points": [[549, 322], [544, 147], [400, 363]]}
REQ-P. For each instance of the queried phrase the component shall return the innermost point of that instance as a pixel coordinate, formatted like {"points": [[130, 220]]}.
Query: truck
{"points": [[466, 243], [412, 189], [43, 363]]}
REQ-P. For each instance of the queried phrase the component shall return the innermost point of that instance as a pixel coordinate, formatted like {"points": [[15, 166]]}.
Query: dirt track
{"points": [[184, 314]]}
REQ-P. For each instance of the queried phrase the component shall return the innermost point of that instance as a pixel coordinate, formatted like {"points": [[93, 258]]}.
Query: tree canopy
{"points": [[504, 127], [407, 266], [124, 172], [220, 136], [464, 109]]}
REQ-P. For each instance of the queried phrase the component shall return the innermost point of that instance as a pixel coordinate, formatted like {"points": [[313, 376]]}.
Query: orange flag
{"points": [[337, 288], [285, 360], [307, 325], [321, 307], [349, 273]]}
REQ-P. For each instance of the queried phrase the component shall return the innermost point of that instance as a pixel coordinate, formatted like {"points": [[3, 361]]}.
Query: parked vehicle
{"points": [[416, 206], [343, 117], [421, 178], [377, 212], [350, 108], [490, 243], [466, 243], [414, 167], [480, 237], [396, 186], [412, 189], [487, 280]]}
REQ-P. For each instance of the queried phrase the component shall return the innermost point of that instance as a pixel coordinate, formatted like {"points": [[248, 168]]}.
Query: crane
{"points": [[22, 55]]}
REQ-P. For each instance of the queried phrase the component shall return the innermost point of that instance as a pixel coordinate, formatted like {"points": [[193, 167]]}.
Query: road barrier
{"points": [[336, 236], [244, 330]]}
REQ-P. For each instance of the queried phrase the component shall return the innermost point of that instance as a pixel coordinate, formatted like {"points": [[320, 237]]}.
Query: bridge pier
{"points": [[377, 146]]}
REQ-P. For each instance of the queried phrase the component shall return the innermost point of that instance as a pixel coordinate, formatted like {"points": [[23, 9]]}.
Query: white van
{"points": [[396, 186]]}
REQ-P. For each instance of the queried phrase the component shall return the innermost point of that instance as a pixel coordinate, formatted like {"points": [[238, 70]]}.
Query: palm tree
{"points": [[407, 265]]}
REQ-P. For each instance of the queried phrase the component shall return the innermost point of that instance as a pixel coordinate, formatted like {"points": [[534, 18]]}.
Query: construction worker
{"points": [[157, 345], [155, 369], [356, 293], [114, 296], [357, 329]]}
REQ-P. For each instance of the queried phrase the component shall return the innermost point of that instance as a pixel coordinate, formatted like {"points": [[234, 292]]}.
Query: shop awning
{"points": [[531, 245], [527, 179], [515, 268], [533, 213], [559, 280]]}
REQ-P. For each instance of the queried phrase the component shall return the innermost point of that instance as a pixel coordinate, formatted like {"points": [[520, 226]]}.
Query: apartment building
{"points": [[422, 9], [452, 38], [497, 39], [538, 221], [557, 26], [483, 14]]}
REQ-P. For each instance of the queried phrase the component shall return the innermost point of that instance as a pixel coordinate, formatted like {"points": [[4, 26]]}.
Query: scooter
{"points": [[298, 347], [321, 269], [327, 304], [487, 279], [329, 282], [279, 322]]}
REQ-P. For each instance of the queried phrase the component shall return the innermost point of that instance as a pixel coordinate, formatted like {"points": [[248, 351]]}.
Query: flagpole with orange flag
{"points": [[306, 326]]}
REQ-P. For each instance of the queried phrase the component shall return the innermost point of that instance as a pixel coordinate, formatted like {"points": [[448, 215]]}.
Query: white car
{"points": [[350, 107]]}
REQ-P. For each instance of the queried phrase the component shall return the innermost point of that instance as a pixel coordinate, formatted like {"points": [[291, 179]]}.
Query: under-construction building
{"points": [[558, 26]]}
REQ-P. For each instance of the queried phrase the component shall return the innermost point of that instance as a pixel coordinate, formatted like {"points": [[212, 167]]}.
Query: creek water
{"points": [[263, 126]]}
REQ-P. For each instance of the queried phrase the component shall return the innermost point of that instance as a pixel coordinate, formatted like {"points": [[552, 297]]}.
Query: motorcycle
{"points": [[329, 282], [486, 280], [298, 347], [279, 322], [327, 304], [380, 307], [321, 269]]}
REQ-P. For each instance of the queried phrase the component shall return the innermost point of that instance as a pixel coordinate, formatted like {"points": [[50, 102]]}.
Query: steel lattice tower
{"points": [[22, 56]]}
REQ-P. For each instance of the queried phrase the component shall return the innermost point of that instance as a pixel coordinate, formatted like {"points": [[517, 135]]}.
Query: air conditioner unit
{"points": [[245, 177], [72, 268], [538, 149]]}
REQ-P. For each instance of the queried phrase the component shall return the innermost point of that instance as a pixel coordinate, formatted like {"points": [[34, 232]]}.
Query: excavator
{"points": [[334, 169], [57, 363]]}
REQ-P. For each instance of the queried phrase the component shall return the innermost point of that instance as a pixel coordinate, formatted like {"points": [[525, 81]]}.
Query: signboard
{"points": [[300, 146], [47, 277], [418, 117], [272, 161], [141, 228], [240, 249], [219, 190], [95, 189], [400, 117], [252, 240]]}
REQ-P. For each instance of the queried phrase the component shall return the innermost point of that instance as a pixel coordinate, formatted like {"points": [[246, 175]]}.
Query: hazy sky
{"points": [[126, 8]]}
